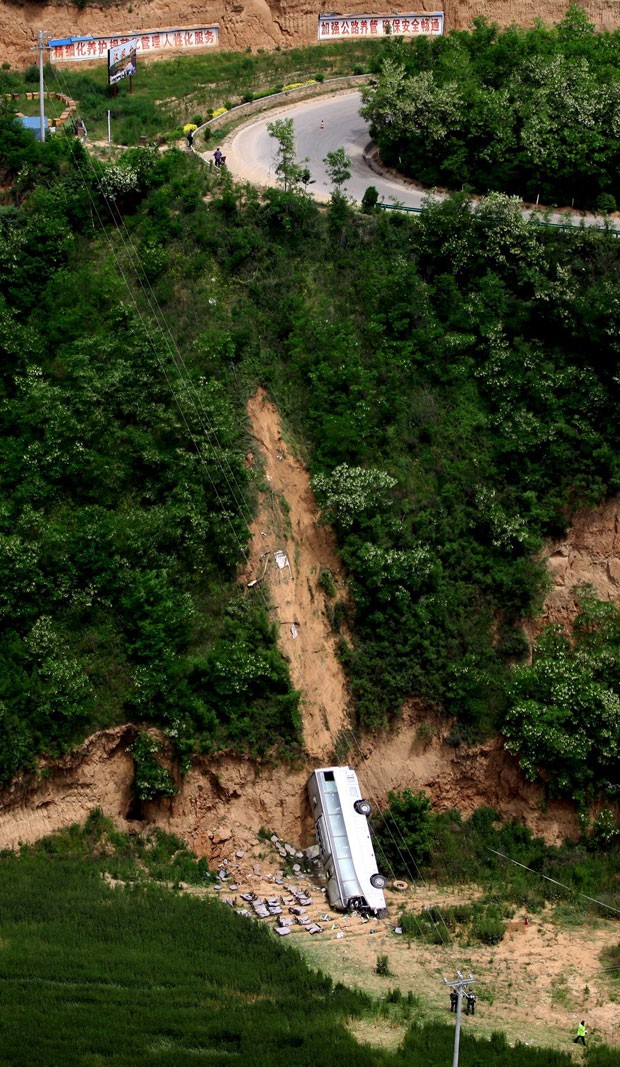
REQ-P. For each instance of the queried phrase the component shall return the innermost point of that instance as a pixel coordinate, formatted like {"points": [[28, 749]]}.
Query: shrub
{"points": [[370, 200], [488, 930], [151, 779], [326, 582], [403, 832], [606, 203]]}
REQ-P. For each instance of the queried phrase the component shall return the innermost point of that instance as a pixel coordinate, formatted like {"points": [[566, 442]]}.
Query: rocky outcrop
{"points": [[252, 24]]}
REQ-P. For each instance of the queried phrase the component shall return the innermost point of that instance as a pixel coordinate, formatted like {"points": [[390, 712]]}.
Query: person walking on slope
{"points": [[581, 1034], [471, 1004], [454, 1000]]}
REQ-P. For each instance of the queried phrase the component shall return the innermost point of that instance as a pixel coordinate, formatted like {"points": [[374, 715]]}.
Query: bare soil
{"points": [[534, 986], [590, 555], [251, 24], [543, 976], [288, 521]]}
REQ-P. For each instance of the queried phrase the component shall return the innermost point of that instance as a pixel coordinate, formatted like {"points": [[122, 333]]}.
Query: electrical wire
{"points": [[187, 399], [546, 877], [184, 394]]}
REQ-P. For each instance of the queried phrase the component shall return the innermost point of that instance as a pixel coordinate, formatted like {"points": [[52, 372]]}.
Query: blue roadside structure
{"points": [[33, 123]]}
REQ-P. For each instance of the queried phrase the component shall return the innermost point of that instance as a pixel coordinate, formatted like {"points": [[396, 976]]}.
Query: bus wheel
{"points": [[363, 807]]}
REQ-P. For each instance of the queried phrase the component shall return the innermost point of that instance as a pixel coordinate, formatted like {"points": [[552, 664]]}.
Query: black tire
{"points": [[379, 881], [363, 807]]}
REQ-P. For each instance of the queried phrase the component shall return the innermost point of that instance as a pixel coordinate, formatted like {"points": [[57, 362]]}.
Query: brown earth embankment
{"points": [[253, 24]]}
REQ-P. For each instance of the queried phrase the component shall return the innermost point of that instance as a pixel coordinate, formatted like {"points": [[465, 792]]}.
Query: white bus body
{"points": [[340, 817]]}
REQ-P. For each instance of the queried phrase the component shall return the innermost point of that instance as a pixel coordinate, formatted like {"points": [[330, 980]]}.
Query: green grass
{"points": [[53, 108], [168, 93], [141, 975]]}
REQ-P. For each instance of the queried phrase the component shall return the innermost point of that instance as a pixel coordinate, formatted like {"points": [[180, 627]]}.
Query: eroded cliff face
{"points": [[257, 23], [225, 800]]}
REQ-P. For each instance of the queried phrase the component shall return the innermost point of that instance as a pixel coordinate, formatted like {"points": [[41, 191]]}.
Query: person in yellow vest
{"points": [[581, 1034]]}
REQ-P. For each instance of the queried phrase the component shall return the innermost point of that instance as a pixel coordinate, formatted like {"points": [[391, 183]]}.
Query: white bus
{"points": [[340, 817]]}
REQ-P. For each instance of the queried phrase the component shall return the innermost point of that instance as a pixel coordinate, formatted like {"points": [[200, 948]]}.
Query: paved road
{"points": [[250, 151], [250, 154]]}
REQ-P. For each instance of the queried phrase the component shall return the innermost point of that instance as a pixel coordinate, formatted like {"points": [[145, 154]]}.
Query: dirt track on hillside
{"points": [[225, 800], [288, 521]]}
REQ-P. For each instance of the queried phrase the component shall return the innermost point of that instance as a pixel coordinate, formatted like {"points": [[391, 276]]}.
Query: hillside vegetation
{"points": [[535, 112], [454, 378]]}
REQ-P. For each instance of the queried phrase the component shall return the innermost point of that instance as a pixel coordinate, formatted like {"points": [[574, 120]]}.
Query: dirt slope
{"points": [[543, 977], [288, 521], [224, 801], [252, 24], [589, 555]]}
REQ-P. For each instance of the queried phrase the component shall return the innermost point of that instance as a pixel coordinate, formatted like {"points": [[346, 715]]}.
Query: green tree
{"points": [[563, 719], [338, 166], [348, 492], [289, 172], [404, 832]]}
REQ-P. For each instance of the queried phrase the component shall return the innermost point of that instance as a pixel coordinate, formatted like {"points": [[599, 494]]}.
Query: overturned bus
{"points": [[340, 817]]}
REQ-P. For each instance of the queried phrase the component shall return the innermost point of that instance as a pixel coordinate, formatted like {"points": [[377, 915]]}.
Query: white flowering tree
{"points": [[348, 493], [563, 721], [403, 106]]}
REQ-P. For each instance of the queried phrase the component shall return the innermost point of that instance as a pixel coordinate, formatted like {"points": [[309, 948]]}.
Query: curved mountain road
{"points": [[250, 151], [325, 123]]}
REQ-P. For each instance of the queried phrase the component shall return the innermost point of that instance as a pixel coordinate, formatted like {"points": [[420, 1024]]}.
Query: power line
{"points": [[546, 877], [184, 393]]}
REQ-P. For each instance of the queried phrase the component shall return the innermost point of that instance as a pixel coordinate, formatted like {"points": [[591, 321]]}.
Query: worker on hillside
{"points": [[470, 1008], [454, 1000], [581, 1034]]}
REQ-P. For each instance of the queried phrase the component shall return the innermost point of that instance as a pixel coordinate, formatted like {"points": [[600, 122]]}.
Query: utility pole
{"points": [[41, 46], [460, 988]]}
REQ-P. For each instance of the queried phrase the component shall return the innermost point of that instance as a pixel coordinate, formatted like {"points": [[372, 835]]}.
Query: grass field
{"points": [[95, 972], [103, 961], [168, 93]]}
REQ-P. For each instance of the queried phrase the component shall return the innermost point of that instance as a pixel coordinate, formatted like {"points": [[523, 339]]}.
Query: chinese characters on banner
{"points": [[381, 25], [78, 49]]}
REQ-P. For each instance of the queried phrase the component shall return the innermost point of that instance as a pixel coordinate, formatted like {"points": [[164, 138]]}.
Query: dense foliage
{"points": [[455, 381], [117, 969], [124, 500], [564, 714], [534, 112], [501, 855]]}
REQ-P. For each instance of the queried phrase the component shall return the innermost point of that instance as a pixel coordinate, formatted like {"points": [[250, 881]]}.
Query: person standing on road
{"points": [[581, 1034]]}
